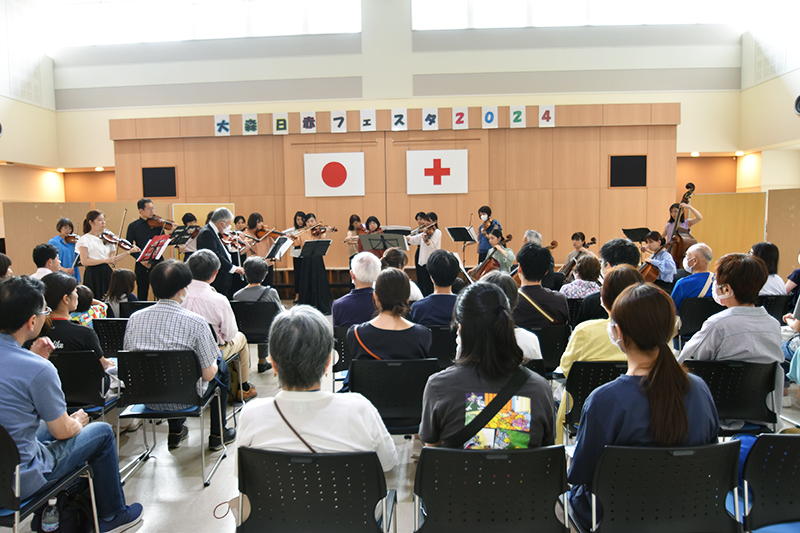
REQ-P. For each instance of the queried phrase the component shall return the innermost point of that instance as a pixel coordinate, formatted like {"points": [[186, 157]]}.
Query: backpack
{"points": [[74, 510]]}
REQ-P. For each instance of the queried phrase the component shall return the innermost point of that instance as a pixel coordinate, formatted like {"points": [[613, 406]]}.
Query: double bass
{"points": [[681, 239]]}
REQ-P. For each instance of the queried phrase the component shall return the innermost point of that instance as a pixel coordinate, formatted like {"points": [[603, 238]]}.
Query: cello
{"points": [[681, 239], [489, 263], [569, 267]]}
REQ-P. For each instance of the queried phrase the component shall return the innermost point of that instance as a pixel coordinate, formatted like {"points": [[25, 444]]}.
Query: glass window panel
{"points": [[499, 13], [439, 14], [216, 20], [342, 16], [276, 17]]}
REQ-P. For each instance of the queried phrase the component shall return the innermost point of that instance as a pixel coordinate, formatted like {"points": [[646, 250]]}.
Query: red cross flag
{"points": [[334, 174], [436, 172]]}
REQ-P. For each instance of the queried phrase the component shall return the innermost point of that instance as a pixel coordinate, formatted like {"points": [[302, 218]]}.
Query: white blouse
{"points": [[95, 246]]}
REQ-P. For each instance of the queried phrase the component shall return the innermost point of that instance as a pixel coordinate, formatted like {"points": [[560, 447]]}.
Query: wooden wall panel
{"points": [[532, 116], [262, 204], [199, 209], [396, 147], [166, 153], [264, 123], [197, 126], [576, 158], [666, 113], [662, 159], [323, 122], [293, 165], [621, 208], [250, 165], [658, 202], [128, 169], [478, 159], [207, 168], [414, 119], [158, 128], [626, 114], [578, 115], [783, 227], [575, 210], [400, 209], [528, 209], [732, 223], [503, 117], [236, 125], [445, 118], [294, 123], [124, 128], [497, 159], [529, 163], [90, 187]]}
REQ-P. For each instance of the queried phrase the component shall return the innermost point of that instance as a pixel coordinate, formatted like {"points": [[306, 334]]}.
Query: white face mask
{"points": [[458, 344], [719, 297], [183, 294], [686, 266], [616, 342], [484, 217]]}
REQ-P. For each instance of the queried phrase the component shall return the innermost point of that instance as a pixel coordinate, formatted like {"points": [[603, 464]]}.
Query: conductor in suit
{"points": [[209, 238]]}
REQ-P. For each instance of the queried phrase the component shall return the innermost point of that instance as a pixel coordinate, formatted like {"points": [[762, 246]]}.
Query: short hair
{"points": [[506, 284], [21, 297], [188, 218], [239, 218], [5, 263], [769, 253], [534, 261], [221, 214], [422, 215], [255, 269], [703, 249], [617, 280], [63, 221], [392, 288], [366, 267], [372, 219], [141, 204], [578, 236], [253, 220], [203, 264], [85, 298], [485, 209], [56, 286], [42, 253], [620, 252], [588, 268], [443, 268], [394, 257], [300, 342], [655, 237], [169, 277], [533, 237], [744, 274], [91, 216]]}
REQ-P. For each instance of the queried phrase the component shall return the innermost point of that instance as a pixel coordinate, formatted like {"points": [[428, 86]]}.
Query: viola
{"points": [[110, 237], [157, 222], [72, 238]]}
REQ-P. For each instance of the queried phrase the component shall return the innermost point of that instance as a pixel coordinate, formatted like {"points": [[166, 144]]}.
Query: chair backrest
{"points": [[553, 341], [126, 309], [159, 377], [82, 377], [340, 344], [574, 310], [254, 319], [586, 376], [443, 345], [9, 460], [331, 492], [537, 365], [394, 387], [661, 490], [776, 306], [771, 472], [111, 332], [739, 389], [695, 311], [491, 490]]}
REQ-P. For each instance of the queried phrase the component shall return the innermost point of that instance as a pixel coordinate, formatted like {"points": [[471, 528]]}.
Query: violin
{"points": [[319, 229], [195, 232], [263, 232], [72, 238], [421, 229], [231, 238], [110, 237], [157, 222], [489, 263], [568, 267]]}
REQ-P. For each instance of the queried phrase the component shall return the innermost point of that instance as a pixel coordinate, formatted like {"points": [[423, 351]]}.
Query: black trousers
{"points": [[142, 281], [424, 281], [224, 376]]}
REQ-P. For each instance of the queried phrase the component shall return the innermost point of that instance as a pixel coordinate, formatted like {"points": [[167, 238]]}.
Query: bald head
{"points": [[699, 256]]}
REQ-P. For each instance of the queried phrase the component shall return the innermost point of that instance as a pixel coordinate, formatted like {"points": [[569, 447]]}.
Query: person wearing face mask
{"points": [[699, 283], [656, 403], [168, 326], [488, 225]]}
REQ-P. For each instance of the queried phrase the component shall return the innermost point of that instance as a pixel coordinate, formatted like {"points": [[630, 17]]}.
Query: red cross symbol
{"points": [[437, 171]]}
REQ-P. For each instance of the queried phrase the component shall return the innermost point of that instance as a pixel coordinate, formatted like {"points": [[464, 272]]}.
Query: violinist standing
{"points": [[428, 241], [260, 248], [488, 226], [65, 242], [97, 253], [314, 287], [139, 233], [210, 238]]}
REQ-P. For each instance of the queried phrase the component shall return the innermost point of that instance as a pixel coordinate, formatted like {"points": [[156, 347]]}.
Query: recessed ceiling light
{"points": [[60, 170], [739, 153], [99, 169], [695, 154]]}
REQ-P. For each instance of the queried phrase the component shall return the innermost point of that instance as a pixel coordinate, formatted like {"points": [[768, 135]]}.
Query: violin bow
{"points": [[122, 225]]}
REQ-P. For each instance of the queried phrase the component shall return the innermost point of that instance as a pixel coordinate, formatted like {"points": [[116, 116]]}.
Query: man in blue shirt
{"points": [[699, 283], [356, 307], [437, 309], [51, 443]]}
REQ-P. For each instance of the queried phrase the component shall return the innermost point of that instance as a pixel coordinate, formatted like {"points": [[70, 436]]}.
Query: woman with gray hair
{"points": [[301, 348]]}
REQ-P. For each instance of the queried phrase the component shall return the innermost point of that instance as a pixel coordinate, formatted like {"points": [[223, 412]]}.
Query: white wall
{"points": [[29, 134], [780, 169], [768, 119]]}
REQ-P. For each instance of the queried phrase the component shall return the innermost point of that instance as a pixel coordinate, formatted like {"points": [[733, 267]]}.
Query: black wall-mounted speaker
{"points": [[797, 105]]}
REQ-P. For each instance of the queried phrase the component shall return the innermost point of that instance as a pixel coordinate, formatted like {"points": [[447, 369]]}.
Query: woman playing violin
{"points": [[299, 224], [96, 247], [674, 209], [428, 241], [374, 226], [314, 288], [261, 242], [487, 226], [354, 229], [661, 259], [65, 242]]}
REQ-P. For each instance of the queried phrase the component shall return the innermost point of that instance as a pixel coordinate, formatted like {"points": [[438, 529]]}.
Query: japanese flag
{"points": [[436, 172], [334, 174]]}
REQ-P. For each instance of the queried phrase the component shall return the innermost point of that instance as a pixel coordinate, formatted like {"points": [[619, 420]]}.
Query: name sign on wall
{"points": [[437, 172]]}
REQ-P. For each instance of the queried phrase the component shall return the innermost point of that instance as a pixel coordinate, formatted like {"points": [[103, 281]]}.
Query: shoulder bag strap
{"points": [[292, 428], [355, 330], [263, 293], [530, 301], [484, 417], [707, 285]]}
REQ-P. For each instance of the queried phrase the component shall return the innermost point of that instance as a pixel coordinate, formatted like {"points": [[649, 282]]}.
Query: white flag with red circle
{"points": [[437, 172], [334, 174]]}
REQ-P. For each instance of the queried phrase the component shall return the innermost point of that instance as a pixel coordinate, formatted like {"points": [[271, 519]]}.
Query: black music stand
{"points": [[636, 234], [182, 234], [315, 248], [383, 241], [465, 234], [279, 248]]}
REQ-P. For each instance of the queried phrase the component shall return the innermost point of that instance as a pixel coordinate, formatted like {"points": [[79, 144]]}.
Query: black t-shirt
{"points": [[411, 343], [71, 337], [551, 302], [591, 309], [139, 232]]}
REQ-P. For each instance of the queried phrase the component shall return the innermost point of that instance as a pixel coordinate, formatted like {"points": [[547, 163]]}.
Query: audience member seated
{"points": [[356, 306], [300, 347], [202, 299], [587, 272], [396, 258], [698, 283], [88, 308], [613, 253], [538, 306], [120, 289], [526, 340], [436, 309], [52, 444], [769, 253], [167, 326], [45, 257], [5, 267], [534, 237], [389, 335], [655, 404], [489, 358], [589, 340], [791, 283], [661, 259]]}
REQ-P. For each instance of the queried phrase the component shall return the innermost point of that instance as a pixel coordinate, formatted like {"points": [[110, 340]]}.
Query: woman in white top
{"points": [[96, 254], [428, 241], [396, 258], [775, 286], [301, 347]]}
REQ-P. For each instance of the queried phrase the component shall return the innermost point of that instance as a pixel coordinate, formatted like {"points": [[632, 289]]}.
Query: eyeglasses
{"points": [[46, 311]]}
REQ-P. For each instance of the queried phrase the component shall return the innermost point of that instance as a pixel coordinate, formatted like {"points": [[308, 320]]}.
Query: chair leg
{"points": [[223, 455], [135, 463], [94, 503], [236, 409]]}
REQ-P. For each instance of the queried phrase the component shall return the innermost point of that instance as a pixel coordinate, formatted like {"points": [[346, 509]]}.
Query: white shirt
{"points": [[328, 422], [775, 286], [202, 299], [40, 273], [96, 248], [528, 342], [426, 249]]}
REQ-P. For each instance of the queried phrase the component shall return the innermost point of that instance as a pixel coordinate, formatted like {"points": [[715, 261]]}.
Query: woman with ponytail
{"points": [[655, 404], [489, 359], [389, 335]]}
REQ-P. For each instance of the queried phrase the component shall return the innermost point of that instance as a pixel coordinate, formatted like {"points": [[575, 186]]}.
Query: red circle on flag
{"points": [[334, 174]]}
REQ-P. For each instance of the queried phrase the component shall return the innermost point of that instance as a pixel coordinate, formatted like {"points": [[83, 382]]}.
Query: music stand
{"points": [[396, 230], [636, 234], [154, 248], [279, 248], [382, 242], [182, 234], [465, 234], [315, 248]]}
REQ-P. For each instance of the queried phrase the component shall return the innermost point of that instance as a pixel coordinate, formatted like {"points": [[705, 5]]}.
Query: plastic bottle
{"points": [[50, 517]]}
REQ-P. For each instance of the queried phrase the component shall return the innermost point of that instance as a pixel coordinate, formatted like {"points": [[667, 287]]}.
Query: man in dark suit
{"points": [[209, 238]]}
